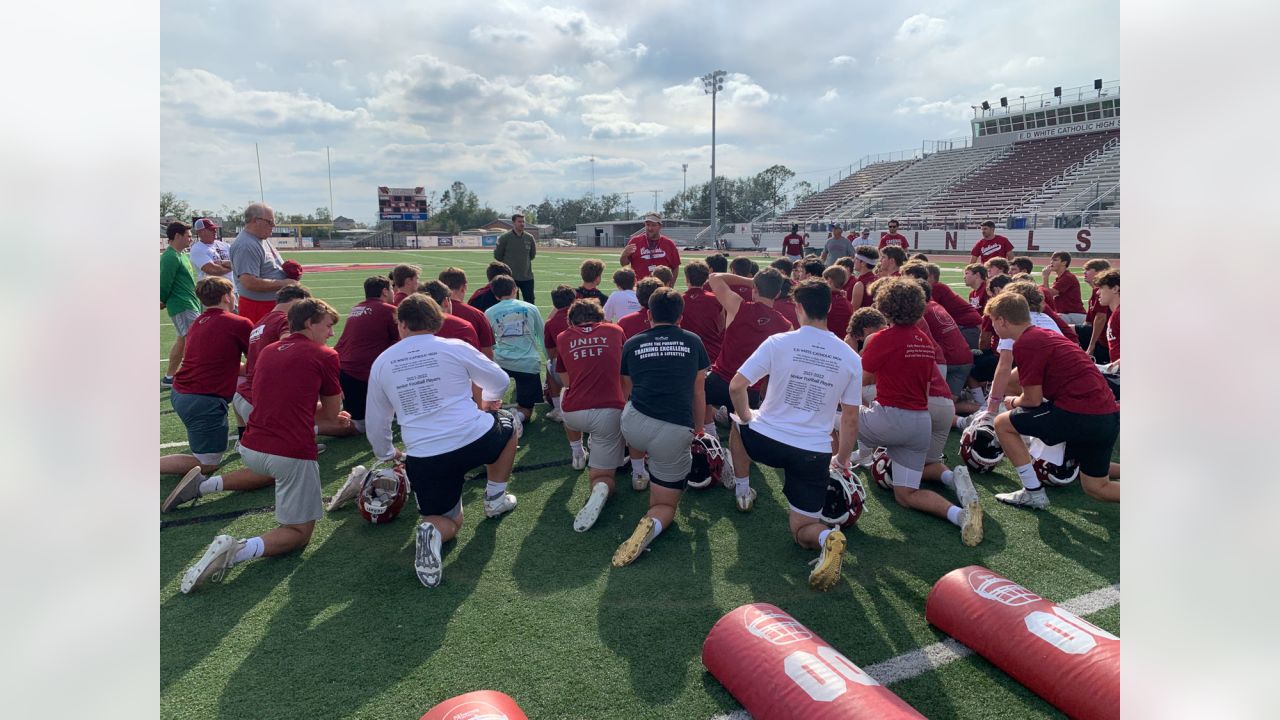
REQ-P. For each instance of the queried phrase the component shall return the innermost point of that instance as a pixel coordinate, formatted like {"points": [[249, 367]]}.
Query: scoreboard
{"points": [[402, 204]]}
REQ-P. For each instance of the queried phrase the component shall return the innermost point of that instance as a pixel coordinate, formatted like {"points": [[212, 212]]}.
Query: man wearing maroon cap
{"points": [[650, 249], [211, 256]]}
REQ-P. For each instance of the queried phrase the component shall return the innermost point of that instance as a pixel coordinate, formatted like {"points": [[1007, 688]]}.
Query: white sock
{"points": [[575, 446], [710, 428], [742, 486], [957, 421], [494, 490], [822, 536], [657, 526], [358, 424], [953, 515], [979, 395], [1027, 474], [212, 485], [948, 478], [637, 466], [253, 548], [555, 402], [316, 428]]}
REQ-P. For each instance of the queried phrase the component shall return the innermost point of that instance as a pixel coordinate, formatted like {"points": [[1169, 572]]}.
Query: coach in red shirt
{"points": [[370, 329], [793, 244], [293, 375], [651, 249], [893, 238], [990, 245]]}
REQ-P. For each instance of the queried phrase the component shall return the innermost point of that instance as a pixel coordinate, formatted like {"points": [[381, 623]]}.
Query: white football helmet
{"points": [[846, 498], [881, 468]]}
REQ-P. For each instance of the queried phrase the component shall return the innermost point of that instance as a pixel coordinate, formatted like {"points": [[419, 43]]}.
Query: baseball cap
{"points": [[653, 217], [205, 223]]}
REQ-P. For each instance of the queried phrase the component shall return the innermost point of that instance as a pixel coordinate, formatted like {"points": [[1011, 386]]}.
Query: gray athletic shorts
{"points": [[667, 444], [956, 376], [182, 321], [905, 433], [942, 411], [242, 407], [971, 336], [604, 430], [1072, 318], [205, 418], [298, 494]]}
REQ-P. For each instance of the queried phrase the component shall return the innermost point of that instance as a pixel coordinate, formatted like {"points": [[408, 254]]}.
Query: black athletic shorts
{"points": [[437, 480], [354, 393], [717, 390], [1089, 438], [528, 388], [984, 366], [806, 473]]}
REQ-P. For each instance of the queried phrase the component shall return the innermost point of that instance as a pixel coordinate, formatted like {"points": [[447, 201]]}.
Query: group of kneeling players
{"points": [[817, 371]]}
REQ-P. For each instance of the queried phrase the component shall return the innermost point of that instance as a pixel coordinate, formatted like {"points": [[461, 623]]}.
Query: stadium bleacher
{"points": [[922, 179], [1081, 185], [999, 187], [819, 205]]}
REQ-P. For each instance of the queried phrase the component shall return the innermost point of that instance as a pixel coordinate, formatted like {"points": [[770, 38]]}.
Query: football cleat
{"points": [[826, 571], [639, 480], [882, 468], [426, 556], [710, 459], [590, 512], [1056, 475], [746, 502], [579, 459], [187, 489], [722, 416], [383, 493], [504, 503], [631, 548], [845, 500], [350, 489], [979, 447], [971, 525], [1031, 499], [214, 564]]}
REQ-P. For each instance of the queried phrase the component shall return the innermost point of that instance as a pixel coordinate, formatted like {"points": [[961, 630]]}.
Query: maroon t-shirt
{"points": [[647, 257], [938, 357], [292, 375], [1113, 335], [866, 279], [793, 245], [270, 328], [398, 298], [370, 328], [704, 317], [1067, 376], [211, 365], [957, 307], [751, 325], [997, 246], [1095, 307], [787, 308], [744, 292], [633, 323], [946, 333], [592, 356], [848, 287], [894, 239], [1068, 299], [839, 314], [978, 299], [552, 328], [455, 328], [902, 358], [938, 386], [479, 322]]}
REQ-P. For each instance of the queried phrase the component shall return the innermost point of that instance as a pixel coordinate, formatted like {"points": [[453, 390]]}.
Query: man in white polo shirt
{"points": [[810, 371], [211, 256]]}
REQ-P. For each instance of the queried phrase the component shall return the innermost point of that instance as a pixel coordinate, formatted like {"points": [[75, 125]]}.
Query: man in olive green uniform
{"points": [[517, 249]]}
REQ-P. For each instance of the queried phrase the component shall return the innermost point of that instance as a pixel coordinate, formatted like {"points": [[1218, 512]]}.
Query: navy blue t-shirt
{"points": [[663, 362]]}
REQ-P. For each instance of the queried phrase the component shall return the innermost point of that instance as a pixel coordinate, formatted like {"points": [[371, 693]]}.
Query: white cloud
{"points": [[843, 61], [498, 35], [206, 99], [639, 51], [829, 95], [579, 28], [522, 131], [1034, 61], [921, 28], [623, 130], [431, 90]]}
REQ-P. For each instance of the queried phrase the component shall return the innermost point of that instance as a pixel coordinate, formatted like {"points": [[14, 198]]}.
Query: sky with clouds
{"points": [[515, 98]]}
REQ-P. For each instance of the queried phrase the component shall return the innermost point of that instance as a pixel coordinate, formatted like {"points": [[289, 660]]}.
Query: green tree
{"points": [[171, 206]]}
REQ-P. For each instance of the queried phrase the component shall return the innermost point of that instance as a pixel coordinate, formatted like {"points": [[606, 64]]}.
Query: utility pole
{"points": [[655, 199], [712, 84], [627, 195], [593, 176], [261, 196], [684, 191], [330, 164]]}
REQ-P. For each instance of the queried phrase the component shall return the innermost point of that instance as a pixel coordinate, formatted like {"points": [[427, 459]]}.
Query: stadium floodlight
{"points": [[713, 84], [1004, 102], [1097, 85], [985, 106]]}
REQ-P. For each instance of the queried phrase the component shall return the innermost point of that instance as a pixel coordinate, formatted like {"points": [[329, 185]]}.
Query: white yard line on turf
{"points": [[918, 662]]}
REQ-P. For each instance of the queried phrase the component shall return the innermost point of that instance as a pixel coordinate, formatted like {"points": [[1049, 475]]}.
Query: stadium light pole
{"points": [[684, 191], [712, 84]]}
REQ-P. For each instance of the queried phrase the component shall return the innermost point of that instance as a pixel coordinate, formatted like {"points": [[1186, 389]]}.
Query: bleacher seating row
{"points": [[822, 203]]}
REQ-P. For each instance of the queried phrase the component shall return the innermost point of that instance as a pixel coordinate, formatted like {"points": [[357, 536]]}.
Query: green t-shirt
{"points": [[517, 251], [177, 282]]}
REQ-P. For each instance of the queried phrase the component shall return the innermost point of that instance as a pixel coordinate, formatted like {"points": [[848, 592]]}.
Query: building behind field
{"points": [[616, 233]]}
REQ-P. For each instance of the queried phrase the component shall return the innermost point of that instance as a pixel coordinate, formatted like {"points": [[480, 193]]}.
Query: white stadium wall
{"points": [[1100, 240]]}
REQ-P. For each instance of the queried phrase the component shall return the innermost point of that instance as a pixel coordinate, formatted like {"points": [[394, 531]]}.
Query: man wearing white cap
{"points": [[650, 249], [211, 256]]}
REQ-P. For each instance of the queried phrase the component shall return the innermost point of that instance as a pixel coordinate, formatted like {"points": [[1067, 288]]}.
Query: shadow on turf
{"points": [[341, 645]]}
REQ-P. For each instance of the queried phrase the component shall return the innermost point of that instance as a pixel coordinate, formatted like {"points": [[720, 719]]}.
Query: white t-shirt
{"points": [[809, 370], [425, 383], [1042, 320], [620, 302], [202, 255]]}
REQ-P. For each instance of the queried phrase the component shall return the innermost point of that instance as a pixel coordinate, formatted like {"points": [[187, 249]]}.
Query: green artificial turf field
{"points": [[533, 609]]}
